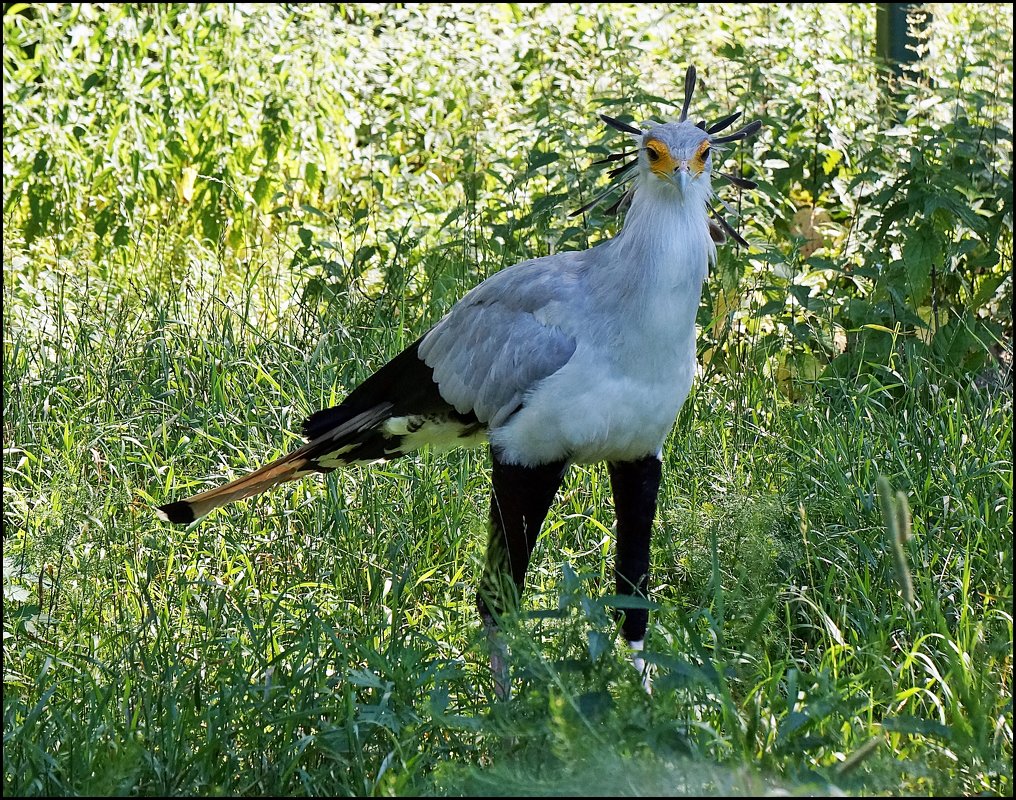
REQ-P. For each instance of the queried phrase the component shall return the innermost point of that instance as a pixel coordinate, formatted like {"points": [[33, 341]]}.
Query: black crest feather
{"points": [[689, 90], [622, 174]]}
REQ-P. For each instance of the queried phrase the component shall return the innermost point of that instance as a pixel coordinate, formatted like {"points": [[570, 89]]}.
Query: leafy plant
{"points": [[219, 218]]}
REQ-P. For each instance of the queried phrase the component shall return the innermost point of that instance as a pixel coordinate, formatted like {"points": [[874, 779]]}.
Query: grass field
{"points": [[218, 221]]}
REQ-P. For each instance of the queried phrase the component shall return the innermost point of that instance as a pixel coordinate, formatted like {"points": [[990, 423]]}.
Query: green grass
{"points": [[323, 639]]}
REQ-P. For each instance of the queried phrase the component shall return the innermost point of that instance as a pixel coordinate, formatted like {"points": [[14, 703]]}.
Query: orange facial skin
{"points": [[663, 163]]}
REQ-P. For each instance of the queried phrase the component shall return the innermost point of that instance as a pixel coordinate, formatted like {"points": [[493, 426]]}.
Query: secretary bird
{"points": [[573, 358]]}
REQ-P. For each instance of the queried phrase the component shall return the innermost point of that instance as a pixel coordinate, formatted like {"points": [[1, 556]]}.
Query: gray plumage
{"points": [[492, 347], [578, 357]]}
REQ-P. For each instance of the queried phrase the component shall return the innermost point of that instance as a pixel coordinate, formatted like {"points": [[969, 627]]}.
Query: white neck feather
{"points": [[665, 242]]}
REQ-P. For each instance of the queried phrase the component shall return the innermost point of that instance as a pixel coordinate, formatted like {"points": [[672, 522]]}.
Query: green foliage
{"points": [[219, 218]]}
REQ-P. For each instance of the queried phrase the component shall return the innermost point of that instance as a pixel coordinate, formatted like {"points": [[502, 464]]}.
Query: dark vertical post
{"points": [[895, 42]]}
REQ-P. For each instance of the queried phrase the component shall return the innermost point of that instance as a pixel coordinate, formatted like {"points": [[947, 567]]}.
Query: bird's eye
{"points": [[652, 154]]}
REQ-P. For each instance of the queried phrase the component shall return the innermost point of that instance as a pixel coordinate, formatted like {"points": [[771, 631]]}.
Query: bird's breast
{"points": [[618, 396]]}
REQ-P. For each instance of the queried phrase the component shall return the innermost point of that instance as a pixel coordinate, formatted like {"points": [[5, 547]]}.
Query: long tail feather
{"points": [[287, 468], [302, 461]]}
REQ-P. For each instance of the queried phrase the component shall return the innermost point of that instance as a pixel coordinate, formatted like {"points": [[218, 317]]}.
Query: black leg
{"points": [[520, 499], [635, 485]]}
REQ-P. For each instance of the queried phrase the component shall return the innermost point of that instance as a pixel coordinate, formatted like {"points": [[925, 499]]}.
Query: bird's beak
{"points": [[681, 177]]}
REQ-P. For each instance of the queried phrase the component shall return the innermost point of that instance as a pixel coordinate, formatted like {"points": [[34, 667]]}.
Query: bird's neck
{"points": [[665, 244]]}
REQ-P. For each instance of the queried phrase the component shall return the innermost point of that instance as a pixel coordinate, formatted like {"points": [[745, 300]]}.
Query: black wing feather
{"points": [[406, 382]]}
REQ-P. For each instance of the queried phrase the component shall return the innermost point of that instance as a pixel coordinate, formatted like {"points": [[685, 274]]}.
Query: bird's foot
{"points": [[498, 661], [641, 667]]}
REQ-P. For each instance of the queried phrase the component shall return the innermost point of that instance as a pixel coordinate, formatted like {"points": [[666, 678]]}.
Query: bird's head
{"points": [[676, 158], [678, 154]]}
